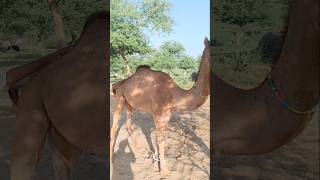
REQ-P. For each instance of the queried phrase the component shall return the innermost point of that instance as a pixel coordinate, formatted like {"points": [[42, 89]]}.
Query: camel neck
{"points": [[93, 34], [188, 100], [202, 85], [193, 98], [297, 71]]}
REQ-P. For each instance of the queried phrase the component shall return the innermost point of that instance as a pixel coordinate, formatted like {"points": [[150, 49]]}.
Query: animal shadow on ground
{"points": [[128, 157], [190, 139]]}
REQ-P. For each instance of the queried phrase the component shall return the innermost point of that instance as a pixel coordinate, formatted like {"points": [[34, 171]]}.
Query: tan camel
{"points": [[156, 93], [260, 120], [66, 101]]}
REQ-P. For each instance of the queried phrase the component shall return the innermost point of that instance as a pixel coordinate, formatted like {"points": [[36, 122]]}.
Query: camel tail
{"points": [[14, 95]]}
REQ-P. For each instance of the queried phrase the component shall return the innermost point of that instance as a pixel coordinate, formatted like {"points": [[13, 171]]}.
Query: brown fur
{"points": [[156, 93], [254, 121], [66, 100]]}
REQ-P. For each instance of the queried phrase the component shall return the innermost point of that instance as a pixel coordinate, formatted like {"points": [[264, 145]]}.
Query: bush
{"points": [[178, 65]]}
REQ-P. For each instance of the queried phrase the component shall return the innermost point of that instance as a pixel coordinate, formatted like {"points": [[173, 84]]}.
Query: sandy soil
{"points": [[187, 147]]}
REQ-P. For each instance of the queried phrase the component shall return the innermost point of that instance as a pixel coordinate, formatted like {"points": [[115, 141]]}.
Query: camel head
{"points": [[203, 80], [206, 51], [206, 42]]}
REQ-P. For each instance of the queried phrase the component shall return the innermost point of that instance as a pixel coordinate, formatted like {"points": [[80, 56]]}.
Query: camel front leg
{"points": [[161, 123]]}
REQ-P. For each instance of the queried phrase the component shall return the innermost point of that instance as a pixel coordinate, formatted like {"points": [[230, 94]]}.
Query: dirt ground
{"points": [[187, 147]]}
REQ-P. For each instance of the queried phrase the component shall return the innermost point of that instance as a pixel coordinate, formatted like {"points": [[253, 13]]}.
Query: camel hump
{"points": [[146, 67]]}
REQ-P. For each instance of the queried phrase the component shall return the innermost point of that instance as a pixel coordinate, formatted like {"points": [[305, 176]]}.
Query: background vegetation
{"points": [[237, 27], [32, 24], [130, 20]]}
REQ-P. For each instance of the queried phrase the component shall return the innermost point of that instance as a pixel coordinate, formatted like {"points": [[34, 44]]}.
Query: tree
{"points": [[241, 13], [21, 19], [74, 13], [130, 20], [174, 48], [58, 24], [32, 19]]}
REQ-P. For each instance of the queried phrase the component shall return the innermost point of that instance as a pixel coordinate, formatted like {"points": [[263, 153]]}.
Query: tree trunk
{"points": [[58, 24], [40, 43], [126, 63]]}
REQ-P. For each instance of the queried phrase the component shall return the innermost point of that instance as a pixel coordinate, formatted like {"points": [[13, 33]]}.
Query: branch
{"points": [[58, 1]]}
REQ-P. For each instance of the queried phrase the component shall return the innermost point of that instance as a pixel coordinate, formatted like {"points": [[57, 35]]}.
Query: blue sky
{"points": [[191, 25]]}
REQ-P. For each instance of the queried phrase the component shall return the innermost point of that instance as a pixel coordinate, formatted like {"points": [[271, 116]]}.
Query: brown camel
{"points": [[262, 119], [27, 70], [66, 101], [156, 93]]}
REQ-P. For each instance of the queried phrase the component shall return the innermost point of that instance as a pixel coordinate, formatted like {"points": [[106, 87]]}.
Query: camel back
{"points": [[23, 71], [116, 85], [26, 70], [18, 73]]}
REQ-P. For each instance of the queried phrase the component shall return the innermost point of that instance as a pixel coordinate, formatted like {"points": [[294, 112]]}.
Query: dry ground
{"points": [[187, 147]]}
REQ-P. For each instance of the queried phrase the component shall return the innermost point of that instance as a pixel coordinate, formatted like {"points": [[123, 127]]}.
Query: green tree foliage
{"points": [[251, 13], [130, 20], [75, 12], [239, 28], [173, 48], [169, 58], [24, 18], [240, 13], [32, 19]]}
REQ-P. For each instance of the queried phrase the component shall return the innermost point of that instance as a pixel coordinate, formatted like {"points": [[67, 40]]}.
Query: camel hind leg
{"points": [[129, 119], [119, 104], [136, 146], [64, 157], [30, 136], [161, 122]]}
